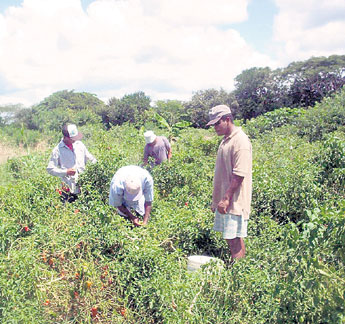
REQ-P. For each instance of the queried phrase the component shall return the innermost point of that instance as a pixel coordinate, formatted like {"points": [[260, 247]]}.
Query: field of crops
{"points": [[83, 263]]}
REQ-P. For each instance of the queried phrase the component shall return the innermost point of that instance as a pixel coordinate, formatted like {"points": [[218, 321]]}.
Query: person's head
{"points": [[150, 137], [70, 133], [221, 118], [133, 188]]}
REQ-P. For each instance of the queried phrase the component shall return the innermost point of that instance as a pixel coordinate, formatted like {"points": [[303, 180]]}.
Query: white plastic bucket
{"points": [[196, 261]]}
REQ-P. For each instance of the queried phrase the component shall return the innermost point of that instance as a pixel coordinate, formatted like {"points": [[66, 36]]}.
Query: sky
{"points": [[168, 49]]}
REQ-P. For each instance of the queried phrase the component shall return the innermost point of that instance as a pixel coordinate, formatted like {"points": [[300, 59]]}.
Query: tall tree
{"points": [[311, 80], [172, 111], [256, 92], [129, 108], [300, 84], [62, 107], [202, 101]]}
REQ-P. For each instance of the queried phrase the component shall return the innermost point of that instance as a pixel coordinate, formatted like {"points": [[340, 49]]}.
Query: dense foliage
{"points": [[313, 123], [201, 103], [257, 92], [83, 263], [62, 107], [130, 108], [300, 84]]}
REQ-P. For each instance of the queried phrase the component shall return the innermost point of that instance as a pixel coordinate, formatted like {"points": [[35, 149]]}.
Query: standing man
{"points": [[232, 184], [68, 160], [131, 192], [157, 147]]}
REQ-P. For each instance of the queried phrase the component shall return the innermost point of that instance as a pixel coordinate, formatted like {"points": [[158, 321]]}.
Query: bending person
{"points": [[131, 192]]}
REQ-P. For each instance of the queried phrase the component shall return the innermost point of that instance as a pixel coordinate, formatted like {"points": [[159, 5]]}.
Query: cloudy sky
{"points": [[167, 48]]}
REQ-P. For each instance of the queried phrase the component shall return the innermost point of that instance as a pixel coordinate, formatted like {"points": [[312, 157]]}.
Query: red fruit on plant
{"points": [[26, 229], [186, 203], [44, 257], [123, 312], [94, 311]]}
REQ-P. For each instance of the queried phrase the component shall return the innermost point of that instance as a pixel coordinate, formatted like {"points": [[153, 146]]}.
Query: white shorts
{"points": [[230, 225]]}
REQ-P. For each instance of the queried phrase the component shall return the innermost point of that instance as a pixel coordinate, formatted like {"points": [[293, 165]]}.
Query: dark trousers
{"points": [[68, 197]]}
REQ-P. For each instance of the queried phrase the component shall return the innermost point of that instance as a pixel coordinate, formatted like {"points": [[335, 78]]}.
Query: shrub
{"points": [[332, 162]]}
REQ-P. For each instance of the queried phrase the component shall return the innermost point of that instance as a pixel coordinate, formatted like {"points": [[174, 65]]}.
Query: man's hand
{"points": [[71, 172], [136, 222], [223, 206], [143, 223]]}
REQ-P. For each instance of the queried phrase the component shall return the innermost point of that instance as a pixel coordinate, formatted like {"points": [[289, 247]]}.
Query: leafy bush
{"points": [[326, 117], [312, 123], [332, 162], [271, 120], [285, 183], [21, 136]]}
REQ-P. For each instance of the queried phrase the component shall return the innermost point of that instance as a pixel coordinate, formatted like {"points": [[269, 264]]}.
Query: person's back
{"points": [[131, 192]]}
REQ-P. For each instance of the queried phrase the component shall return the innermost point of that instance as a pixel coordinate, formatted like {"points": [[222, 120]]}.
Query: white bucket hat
{"points": [[149, 137]]}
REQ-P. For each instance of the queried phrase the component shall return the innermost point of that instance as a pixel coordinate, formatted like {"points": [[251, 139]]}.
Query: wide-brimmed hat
{"points": [[133, 188], [149, 137], [71, 131], [216, 113]]}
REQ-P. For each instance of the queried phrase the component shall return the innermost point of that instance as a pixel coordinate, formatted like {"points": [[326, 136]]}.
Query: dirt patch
{"points": [[8, 152]]}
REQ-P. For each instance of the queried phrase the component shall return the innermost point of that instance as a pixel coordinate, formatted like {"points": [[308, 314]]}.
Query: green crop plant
{"points": [[83, 263]]}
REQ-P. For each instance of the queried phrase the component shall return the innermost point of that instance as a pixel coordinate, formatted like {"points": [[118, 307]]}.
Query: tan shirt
{"points": [[234, 157]]}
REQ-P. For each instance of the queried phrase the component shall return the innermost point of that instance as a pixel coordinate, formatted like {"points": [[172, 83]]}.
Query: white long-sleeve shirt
{"points": [[63, 158]]}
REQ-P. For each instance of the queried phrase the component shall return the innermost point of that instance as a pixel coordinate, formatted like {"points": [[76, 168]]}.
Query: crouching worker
{"points": [[68, 160], [131, 192]]}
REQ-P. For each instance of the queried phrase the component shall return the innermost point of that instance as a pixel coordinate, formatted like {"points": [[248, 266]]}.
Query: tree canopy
{"points": [[60, 108], [202, 101], [130, 108], [257, 91], [300, 84]]}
